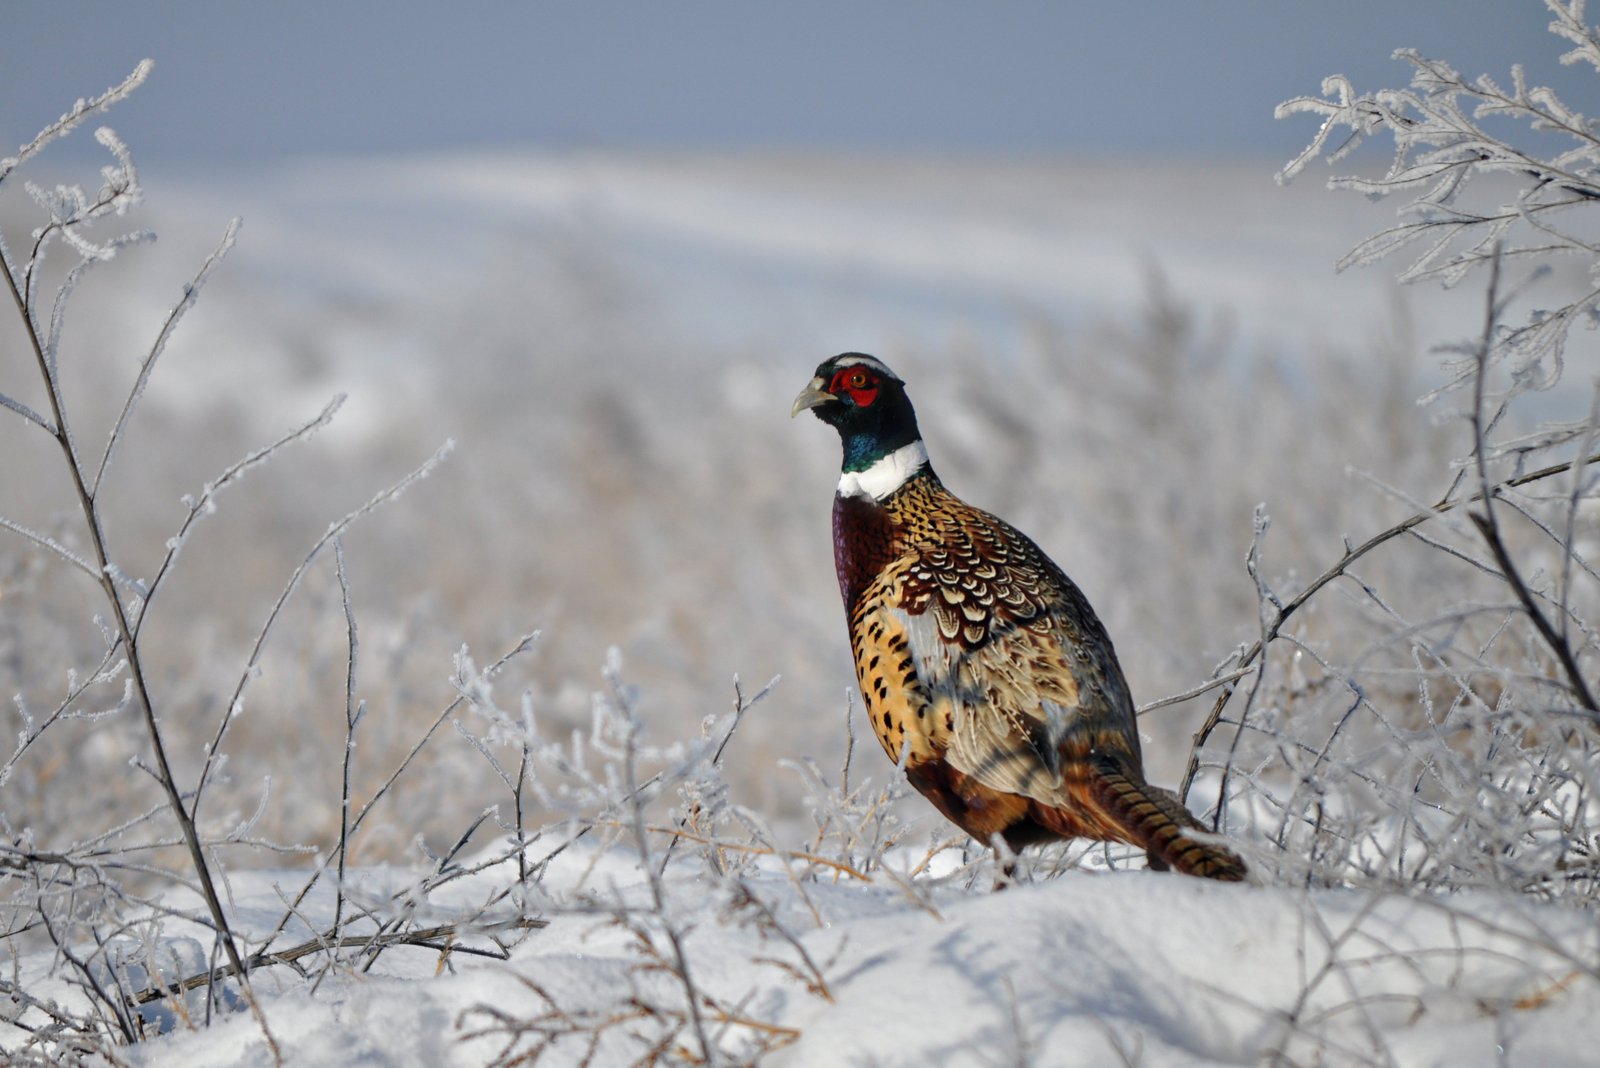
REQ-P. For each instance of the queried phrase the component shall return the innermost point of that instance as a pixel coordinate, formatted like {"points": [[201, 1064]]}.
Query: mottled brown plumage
{"points": [[982, 665]]}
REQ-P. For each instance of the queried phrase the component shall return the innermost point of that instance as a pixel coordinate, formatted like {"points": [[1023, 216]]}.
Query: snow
{"points": [[1082, 969]]}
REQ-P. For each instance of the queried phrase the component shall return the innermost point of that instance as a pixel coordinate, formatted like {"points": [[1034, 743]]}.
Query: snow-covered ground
{"points": [[1088, 969], [1122, 358]]}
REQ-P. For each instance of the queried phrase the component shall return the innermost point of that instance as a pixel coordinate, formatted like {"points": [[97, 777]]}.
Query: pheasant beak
{"points": [[811, 397]]}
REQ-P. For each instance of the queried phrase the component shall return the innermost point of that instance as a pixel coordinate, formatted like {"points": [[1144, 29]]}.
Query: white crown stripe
{"points": [[863, 360]]}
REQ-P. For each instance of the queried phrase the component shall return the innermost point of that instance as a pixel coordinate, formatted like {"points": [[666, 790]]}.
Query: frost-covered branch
{"points": [[78, 114], [1475, 191]]}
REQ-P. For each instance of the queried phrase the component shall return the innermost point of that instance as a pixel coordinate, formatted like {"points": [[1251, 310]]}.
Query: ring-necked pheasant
{"points": [[984, 670]]}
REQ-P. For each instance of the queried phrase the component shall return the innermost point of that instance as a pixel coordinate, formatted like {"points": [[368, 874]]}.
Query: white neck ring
{"points": [[887, 474]]}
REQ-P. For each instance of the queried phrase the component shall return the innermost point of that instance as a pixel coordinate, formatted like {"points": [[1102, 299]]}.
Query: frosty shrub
{"points": [[1423, 711], [118, 913], [126, 894]]}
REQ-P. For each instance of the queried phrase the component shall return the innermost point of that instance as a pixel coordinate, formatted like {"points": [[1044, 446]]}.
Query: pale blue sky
{"points": [[245, 82]]}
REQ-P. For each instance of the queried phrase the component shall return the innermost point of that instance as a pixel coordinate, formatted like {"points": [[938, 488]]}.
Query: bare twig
{"points": [[1193, 692], [1295, 603], [631, 728], [1488, 523], [442, 937], [740, 847], [119, 608], [201, 506], [214, 750], [1558, 645], [352, 716], [80, 112], [191, 293]]}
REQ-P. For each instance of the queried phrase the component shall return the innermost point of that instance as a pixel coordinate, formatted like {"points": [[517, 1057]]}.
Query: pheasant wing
{"points": [[1012, 659]]}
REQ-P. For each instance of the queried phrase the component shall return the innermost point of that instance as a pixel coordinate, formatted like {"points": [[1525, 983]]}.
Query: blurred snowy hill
{"points": [[784, 258]]}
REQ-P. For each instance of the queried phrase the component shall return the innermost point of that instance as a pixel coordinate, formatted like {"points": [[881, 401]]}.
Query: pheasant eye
{"points": [[852, 378]]}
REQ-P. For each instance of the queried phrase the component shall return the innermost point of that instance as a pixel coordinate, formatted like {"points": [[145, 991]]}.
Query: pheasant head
{"points": [[867, 404]]}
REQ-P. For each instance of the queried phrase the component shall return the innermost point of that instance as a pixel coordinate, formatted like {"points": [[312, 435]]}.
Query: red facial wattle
{"points": [[859, 384]]}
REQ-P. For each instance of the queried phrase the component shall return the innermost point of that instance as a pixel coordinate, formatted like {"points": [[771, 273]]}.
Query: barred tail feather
{"points": [[1156, 821]]}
